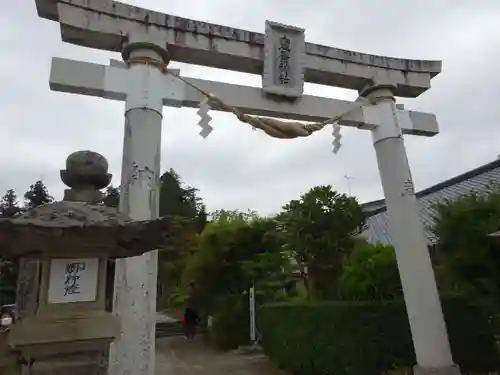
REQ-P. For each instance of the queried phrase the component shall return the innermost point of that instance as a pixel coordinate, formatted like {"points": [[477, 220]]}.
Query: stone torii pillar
{"points": [[423, 305], [142, 34], [136, 278]]}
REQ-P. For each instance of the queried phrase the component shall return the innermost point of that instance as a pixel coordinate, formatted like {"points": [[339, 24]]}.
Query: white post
{"points": [[133, 353], [430, 338], [348, 179], [252, 315]]}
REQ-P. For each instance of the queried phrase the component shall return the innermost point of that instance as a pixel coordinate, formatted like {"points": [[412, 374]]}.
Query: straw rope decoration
{"points": [[273, 127]]}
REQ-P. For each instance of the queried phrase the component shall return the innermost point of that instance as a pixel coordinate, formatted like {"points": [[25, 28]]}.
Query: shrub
{"points": [[365, 338], [371, 273], [230, 326]]}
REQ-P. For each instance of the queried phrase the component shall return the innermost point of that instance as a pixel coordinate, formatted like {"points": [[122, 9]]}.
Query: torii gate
{"points": [[148, 40]]}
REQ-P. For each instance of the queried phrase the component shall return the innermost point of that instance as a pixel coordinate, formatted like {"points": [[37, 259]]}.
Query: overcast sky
{"points": [[236, 167]]}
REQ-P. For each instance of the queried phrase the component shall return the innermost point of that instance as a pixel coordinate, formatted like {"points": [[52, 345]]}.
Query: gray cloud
{"points": [[237, 167]]}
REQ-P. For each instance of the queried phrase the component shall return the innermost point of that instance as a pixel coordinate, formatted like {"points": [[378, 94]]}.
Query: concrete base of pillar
{"points": [[451, 370]]}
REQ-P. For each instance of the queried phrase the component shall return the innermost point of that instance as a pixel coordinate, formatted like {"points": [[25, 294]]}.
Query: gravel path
{"points": [[176, 356]]}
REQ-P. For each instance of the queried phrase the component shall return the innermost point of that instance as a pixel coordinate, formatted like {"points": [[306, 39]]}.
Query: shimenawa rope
{"points": [[273, 127]]}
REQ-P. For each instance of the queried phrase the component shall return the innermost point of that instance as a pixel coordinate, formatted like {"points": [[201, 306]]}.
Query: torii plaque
{"points": [[148, 40]]}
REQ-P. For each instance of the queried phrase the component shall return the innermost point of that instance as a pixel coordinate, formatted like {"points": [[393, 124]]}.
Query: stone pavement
{"points": [[164, 318], [176, 356]]}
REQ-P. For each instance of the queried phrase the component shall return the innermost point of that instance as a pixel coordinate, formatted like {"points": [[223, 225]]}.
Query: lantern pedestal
{"points": [[70, 331], [45, 337]]}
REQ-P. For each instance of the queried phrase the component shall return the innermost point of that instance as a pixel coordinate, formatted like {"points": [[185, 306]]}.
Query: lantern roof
{"points": [[80, 226]]}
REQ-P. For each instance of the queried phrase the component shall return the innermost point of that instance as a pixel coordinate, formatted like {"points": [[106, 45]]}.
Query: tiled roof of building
{"points": [[475, 180]]}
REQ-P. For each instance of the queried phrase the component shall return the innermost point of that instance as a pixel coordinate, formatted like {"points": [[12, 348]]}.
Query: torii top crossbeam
{"points": [[93, 23]]}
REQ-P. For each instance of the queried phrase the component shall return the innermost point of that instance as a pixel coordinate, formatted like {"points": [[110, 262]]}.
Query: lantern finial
{"points": [[85, 174]]}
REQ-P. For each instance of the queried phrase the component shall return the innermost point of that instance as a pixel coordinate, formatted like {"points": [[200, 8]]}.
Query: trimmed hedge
{"points": [[365, 338]]}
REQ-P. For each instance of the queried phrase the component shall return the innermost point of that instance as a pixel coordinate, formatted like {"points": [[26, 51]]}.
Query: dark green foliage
{"points": [[234, 252], [371, 273], [318, 229], [37, 195], [172, 258], [366, 338], [231, 327], [178, 200], [189, 218], [469, 260], [112, 196], [9, 207], [231, 321], [171, 196]]}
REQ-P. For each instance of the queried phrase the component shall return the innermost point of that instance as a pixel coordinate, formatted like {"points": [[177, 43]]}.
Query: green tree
{"points": [[171, 196], [267, 266], [214, 266], [189, 217], [37, 195], [234, 252], [371, 273], [468, 259], [179, 200], [228, 215], [111, 196], [319, 230], [9, 207], [172, 258]]}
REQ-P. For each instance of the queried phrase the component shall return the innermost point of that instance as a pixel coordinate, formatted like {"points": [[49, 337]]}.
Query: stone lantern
{"points": [[69, 328]]}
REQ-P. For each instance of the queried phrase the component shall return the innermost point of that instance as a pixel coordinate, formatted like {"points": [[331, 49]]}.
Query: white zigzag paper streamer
{"points": [[205, 118], [336, 138]]}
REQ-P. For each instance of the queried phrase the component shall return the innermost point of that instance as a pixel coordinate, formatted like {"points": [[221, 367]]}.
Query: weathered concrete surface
{"points": [[135, 278], [86, 174], [3, 345], [176, 356], [107, 24], [91, 79], [8, 365], [428, 328], [87, 229]]}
